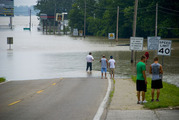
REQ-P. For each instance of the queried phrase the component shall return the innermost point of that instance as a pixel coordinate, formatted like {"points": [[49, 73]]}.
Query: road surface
{"points": [[54, 99]]}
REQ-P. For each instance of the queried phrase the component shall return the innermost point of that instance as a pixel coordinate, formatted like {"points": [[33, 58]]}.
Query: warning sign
{"points": [[111, 36], [136, 43], [164, 47]]}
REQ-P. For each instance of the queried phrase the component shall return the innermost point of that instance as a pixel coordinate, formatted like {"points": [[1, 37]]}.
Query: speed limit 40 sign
{"points": [[164, 47]]}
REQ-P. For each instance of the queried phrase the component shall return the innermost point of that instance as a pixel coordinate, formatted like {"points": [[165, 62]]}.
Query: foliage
{"points": [[101, 16], [168, 95], [2, 79]]}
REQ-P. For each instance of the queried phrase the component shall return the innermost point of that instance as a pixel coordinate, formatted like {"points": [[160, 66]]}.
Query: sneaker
{"points": [[152, 100], [144, 101], [157, 100], [138, 102]]}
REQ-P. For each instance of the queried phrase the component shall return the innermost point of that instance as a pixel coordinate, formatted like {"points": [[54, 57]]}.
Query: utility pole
{"points": [[85, 21], [117, 23], [156, 19], [10, 24], [30, 20], [54, 19], [156, 25], [134, 26]]}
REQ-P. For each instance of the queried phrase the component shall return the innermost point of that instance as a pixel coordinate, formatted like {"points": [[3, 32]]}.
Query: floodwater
{"points": [[35, 55]]}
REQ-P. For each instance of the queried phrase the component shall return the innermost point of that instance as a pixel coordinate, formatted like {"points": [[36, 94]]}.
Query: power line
{"points": [[168, 9], [168, 13]]}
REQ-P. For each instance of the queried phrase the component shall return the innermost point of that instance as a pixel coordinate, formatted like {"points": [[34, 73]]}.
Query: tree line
{"points": [[101, 16]]}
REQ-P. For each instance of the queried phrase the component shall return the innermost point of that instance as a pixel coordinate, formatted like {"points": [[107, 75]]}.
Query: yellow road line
{"points": [[40, 91], [14, 102], [54, 84]]}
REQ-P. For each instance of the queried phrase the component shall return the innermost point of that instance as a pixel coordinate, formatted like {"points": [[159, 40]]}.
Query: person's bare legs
{"points": [[143, 96], [158, 93], [105, 76], [138, 95], [101, 75], [113, 75], [153, 90]]}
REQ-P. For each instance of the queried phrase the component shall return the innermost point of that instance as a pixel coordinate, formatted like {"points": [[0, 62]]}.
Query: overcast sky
{"points": [[24, 2]]}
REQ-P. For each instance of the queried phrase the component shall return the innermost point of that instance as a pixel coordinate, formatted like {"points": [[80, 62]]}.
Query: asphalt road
{"points": [[55, 99]]}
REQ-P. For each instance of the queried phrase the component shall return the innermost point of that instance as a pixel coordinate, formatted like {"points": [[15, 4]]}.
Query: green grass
{"points": [[112, 92], [169, 95], [2, 80]]}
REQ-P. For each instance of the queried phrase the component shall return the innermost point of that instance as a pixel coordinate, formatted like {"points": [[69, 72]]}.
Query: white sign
{"points": [[75, 32], [43, 16], [164, 47], [136, 43], [111, 36], [152, 43]]}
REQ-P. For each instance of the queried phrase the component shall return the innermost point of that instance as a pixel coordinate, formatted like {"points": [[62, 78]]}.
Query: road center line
{"points": [[40, 91], [103, 103], [54, 84], [14, 103]]}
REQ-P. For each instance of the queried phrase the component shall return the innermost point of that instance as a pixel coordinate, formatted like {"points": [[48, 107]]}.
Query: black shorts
{"points": [[141, 86], [156, 84]]}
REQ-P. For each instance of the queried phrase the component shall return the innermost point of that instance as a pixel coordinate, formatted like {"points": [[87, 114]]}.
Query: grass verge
{"points": [[112, 91], [169, 95], [2, 80]]}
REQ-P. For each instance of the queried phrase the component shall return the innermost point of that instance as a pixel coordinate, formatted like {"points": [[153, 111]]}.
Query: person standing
{"points": [[156, 71], [89, 59], [141, 83], [112, 63], [104, 66], [147, 56]]}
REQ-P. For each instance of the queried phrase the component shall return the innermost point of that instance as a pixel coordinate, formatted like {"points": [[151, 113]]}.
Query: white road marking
{"points": [[103, 104]]}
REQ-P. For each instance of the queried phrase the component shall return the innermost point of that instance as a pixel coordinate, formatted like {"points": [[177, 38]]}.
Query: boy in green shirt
{"points": [[141, 83]]}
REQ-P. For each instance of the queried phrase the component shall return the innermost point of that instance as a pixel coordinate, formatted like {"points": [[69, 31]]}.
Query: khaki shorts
{"points": [[112, 70]]}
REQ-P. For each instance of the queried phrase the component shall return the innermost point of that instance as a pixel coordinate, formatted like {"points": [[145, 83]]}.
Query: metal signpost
{"points": [[9, 42], [136, 43]]}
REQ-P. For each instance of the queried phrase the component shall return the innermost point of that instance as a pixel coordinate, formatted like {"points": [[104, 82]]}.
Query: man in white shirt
{"points": [[112, 66], [89, 59]]}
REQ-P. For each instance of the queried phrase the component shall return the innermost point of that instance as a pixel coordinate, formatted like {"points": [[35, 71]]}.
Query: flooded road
{"points": [[38, 56]]}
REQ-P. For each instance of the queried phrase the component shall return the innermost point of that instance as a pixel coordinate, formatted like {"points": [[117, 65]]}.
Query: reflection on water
{"points": [[39, 56]]}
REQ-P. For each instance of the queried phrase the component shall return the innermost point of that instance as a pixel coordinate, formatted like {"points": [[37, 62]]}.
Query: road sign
{"points": [[111, 35], [9, 40], [75, 32], [7, 8], [43, 16], [164, 47], [136, 43], [81, 33], [152, 43]]}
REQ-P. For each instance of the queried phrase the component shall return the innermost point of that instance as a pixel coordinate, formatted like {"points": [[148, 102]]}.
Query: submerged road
{"points": [[54, 99]]}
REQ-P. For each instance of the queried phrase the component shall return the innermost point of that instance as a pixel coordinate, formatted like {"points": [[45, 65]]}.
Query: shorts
{"points": [[141, 86], [156, 84], [112, 70], [103, 70]]}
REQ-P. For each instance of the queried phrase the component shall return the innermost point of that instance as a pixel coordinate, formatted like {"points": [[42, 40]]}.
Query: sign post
{"points": [[136, 43], [9, 42]]}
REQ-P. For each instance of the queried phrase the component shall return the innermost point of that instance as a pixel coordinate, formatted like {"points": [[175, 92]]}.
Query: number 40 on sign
{"points": [[164, 47]]}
